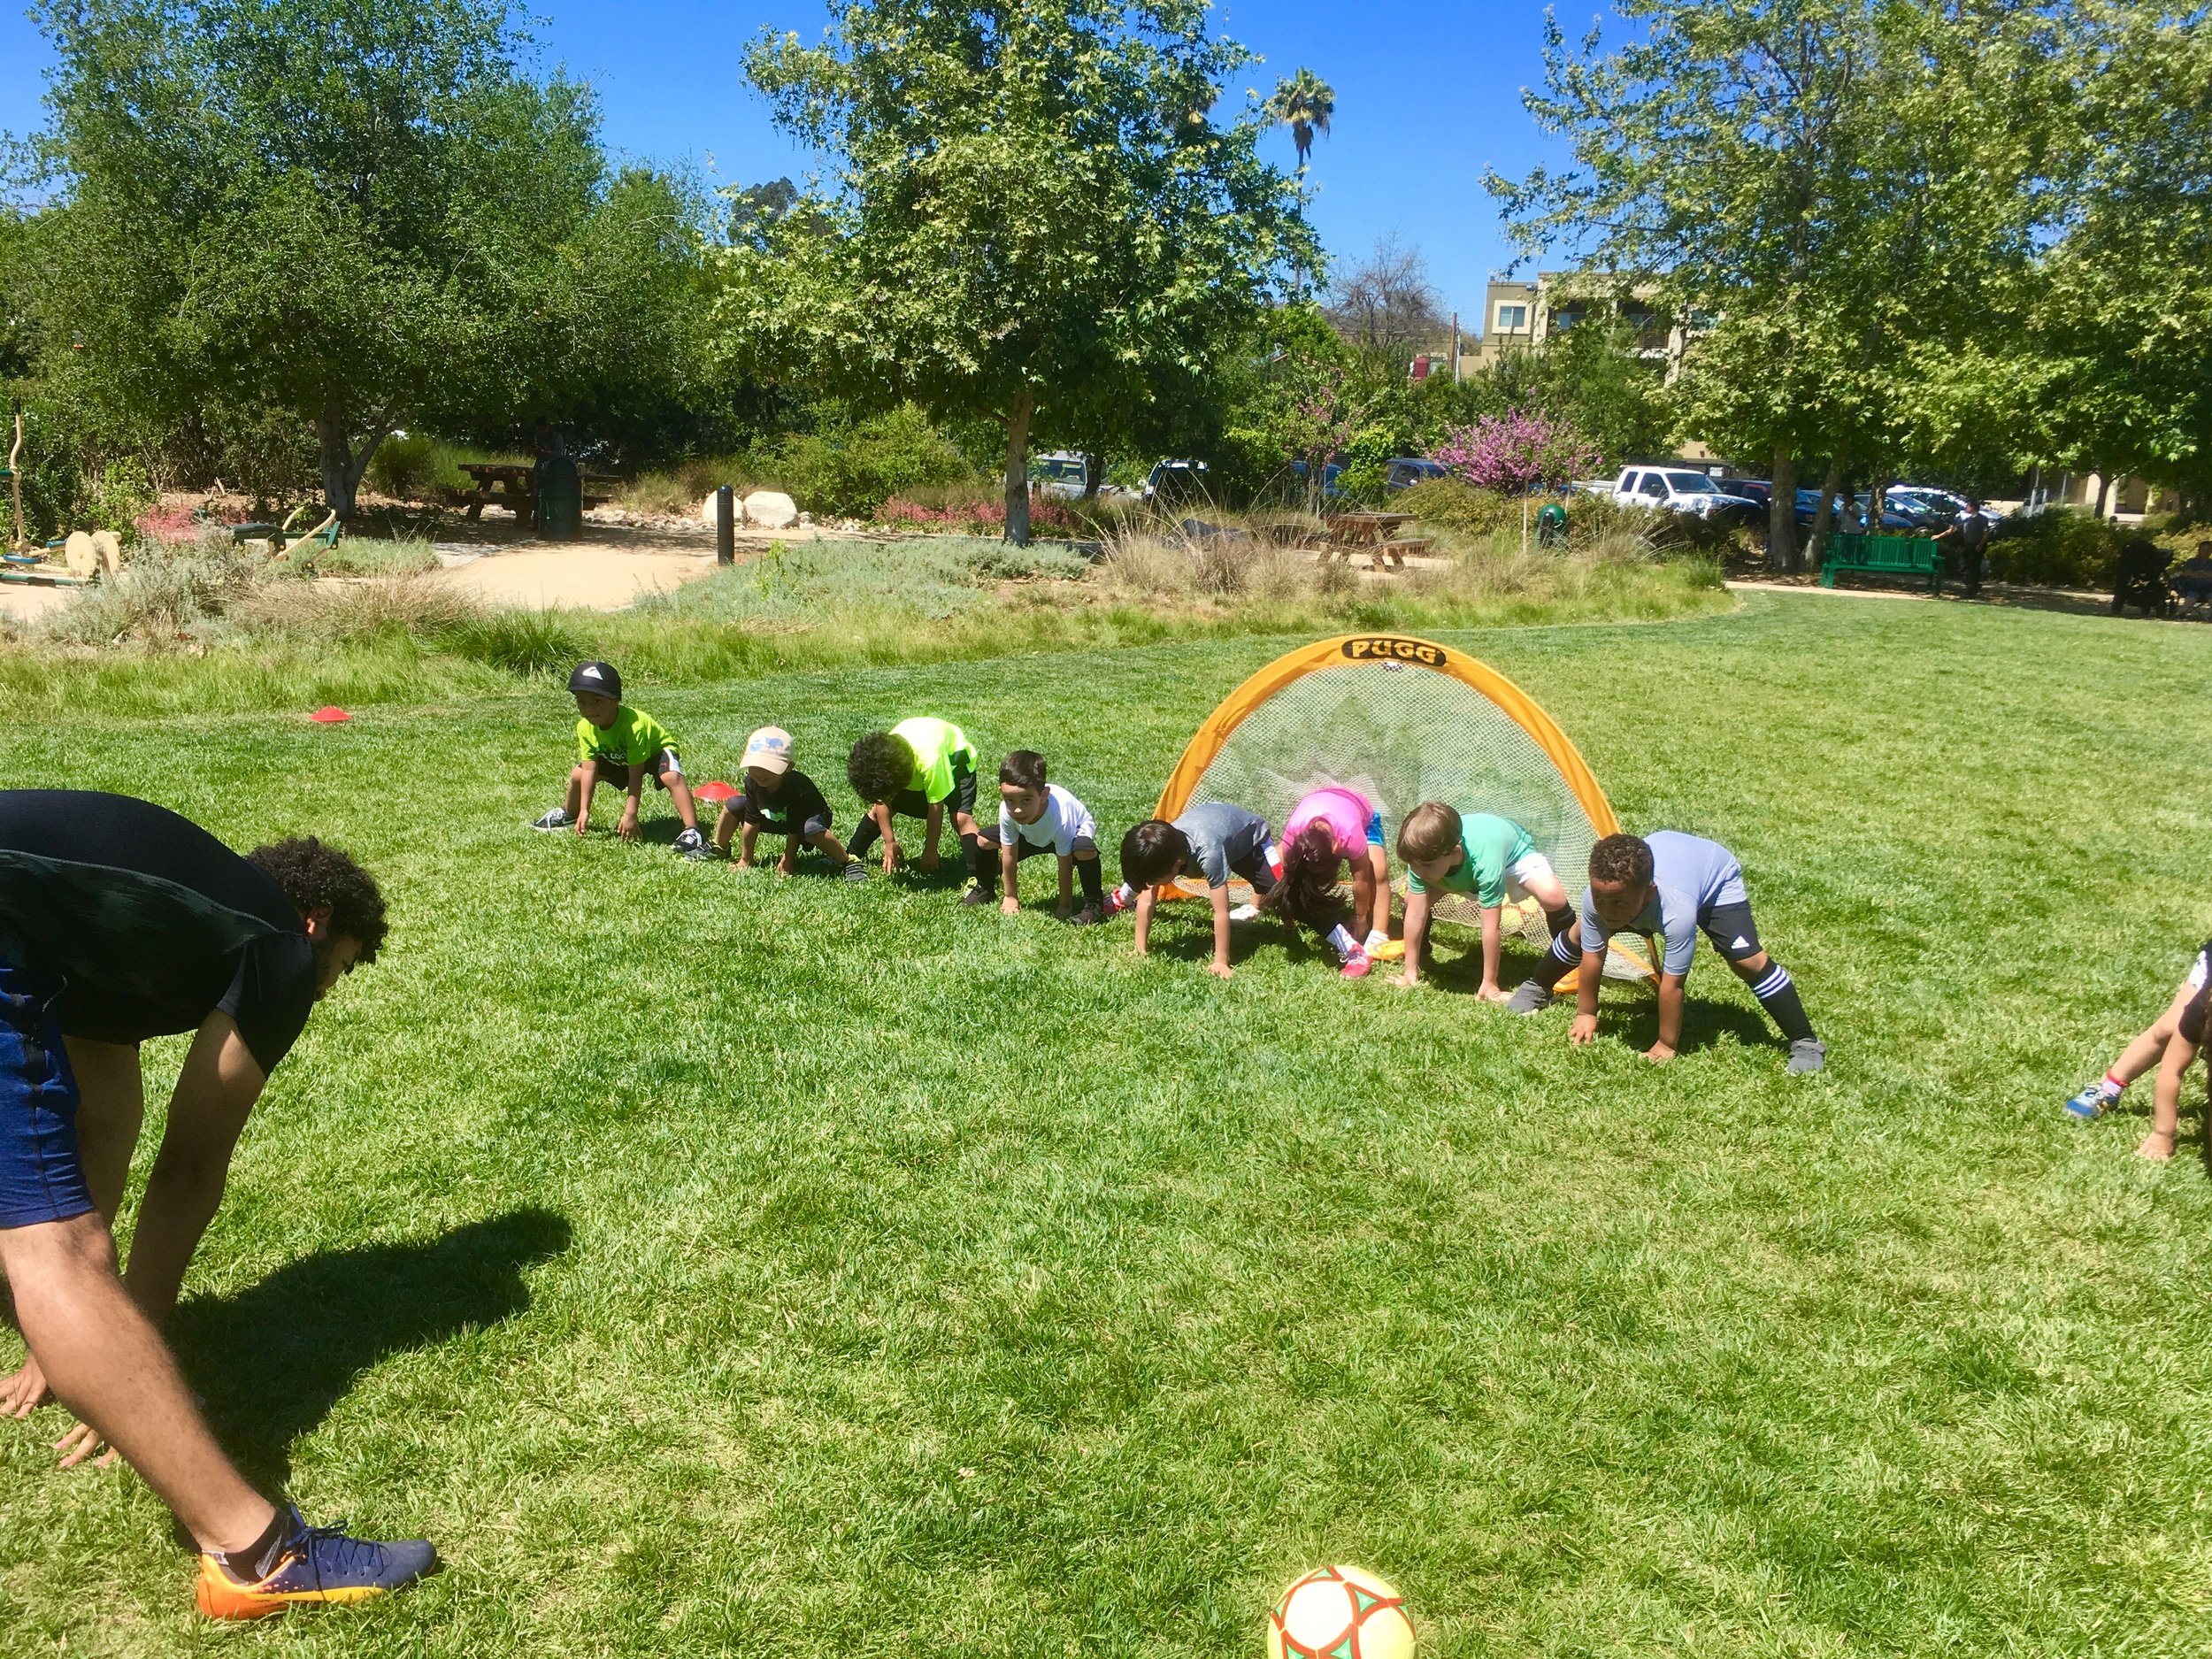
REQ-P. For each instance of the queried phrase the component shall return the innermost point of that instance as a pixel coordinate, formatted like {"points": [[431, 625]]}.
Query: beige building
{"points": [[1517, 315]]}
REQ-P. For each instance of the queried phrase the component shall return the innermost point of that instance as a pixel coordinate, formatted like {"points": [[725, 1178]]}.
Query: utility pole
{"points": [[1454, 348]]}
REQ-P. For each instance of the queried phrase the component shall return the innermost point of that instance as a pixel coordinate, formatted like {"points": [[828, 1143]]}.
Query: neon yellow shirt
{"points": [[633, 739], [936, 745]]}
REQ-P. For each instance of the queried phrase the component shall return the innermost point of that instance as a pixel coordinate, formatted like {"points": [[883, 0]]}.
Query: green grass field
{"points": [[717, 1265]]}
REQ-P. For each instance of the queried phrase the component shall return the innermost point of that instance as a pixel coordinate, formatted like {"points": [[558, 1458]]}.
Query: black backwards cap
{"points": [[596, 677]]}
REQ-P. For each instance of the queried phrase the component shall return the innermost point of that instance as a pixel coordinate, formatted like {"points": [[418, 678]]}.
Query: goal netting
{"points": [[1402, 721]]}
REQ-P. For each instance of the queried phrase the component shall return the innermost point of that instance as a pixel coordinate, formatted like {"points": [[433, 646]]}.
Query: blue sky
{"points": [[1428, 93]]}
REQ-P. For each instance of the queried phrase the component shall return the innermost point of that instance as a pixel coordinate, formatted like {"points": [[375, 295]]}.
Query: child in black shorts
{"points": [[2172, 1041], [783, 803]]}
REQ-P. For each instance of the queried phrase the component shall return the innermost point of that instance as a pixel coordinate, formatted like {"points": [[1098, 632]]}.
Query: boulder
{"points": [[710, 515], [771, 510]]}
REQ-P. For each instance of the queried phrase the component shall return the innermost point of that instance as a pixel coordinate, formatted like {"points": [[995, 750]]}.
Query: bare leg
{"points": [[2141, 1055], [679, 791], [108, 1366]]}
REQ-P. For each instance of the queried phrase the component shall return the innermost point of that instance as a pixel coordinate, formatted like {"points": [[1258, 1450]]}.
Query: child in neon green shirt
{"points": [[918, 768], [622, 746]]}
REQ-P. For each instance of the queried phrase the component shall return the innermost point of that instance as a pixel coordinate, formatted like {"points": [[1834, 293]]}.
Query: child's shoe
{"points": [[973, 893], [557, 820], [1245, 913], [316, 1564], [1356, 966], [1383, 948], [1807, 1054], [854, 870], [2089, 1104], [1087, 917], [1116, 905], [691, 844], [1528, 998]]}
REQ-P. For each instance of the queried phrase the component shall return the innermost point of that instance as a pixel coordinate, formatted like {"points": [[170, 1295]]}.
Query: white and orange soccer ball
{"points": [[1340, 1613]]}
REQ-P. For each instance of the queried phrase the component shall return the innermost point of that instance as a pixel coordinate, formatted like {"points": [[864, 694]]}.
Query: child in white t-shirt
{"points": [[1038, 817]]}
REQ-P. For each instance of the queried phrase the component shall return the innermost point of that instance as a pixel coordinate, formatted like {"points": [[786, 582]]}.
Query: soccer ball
{"points": [[1340, 1613]]}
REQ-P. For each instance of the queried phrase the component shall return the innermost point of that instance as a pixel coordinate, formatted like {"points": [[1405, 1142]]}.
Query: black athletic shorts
{"points": [[1733, 931], [746, 812], [617, 772], [2193, 1016], [914, 803], [1085, 847]]}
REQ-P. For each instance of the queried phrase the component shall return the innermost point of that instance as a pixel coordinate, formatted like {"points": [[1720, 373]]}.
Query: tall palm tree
{"points": [[1303, 103]]}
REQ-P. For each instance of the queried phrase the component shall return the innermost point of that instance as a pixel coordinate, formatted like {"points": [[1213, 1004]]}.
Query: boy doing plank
{"points": [[621, 746], [1674, 886], [917, 769]]}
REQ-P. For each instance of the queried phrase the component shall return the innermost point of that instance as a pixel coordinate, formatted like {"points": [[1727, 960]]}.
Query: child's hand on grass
{"points": [[1488, 992], [627, 828], [929, 861], [1658, 1054], [787, 865], [1011, 906], [2158, 1146], [1404, 980], [1585, 1030], [1220, 971]]}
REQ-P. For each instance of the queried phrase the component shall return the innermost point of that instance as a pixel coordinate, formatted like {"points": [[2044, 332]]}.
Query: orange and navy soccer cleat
{"points": [[316, 1566]]}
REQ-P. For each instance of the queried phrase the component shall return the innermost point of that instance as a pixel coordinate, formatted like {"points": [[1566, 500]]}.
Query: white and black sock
{"points": [[1777, 994]]}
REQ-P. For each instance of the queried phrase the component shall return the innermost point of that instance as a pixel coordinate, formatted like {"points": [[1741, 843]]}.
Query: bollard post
{"points": [[725, 526]]}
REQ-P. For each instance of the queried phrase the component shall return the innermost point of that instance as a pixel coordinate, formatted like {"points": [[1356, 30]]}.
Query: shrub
{"points": [[1447, 504], [2062, 547], [1517, 452], [677, 491], [373, 555], [525, 642], [164, 596], [418, 468], [850, 472]]}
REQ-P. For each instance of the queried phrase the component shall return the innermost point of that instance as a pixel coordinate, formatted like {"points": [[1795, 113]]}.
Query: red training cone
{"points": [[329, 716]]}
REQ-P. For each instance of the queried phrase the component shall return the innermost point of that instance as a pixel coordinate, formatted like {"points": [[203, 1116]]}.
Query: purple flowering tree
{"points": [[1517, 453]]}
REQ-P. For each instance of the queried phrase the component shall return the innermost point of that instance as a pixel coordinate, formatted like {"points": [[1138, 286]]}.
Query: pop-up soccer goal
{"points": [[1402, 721]]}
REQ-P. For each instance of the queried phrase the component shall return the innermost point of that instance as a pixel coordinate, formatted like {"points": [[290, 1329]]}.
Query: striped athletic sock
{"points": [[2113, 1086], [1565, 958], [1777, 994]]}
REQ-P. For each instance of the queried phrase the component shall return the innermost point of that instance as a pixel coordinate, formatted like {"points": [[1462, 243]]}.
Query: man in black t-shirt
{"points": [[120, 921]]}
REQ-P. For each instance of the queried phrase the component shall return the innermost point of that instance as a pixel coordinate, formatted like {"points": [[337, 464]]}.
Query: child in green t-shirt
{"points": [[919, 769], [1482, 854], [618, 745]]}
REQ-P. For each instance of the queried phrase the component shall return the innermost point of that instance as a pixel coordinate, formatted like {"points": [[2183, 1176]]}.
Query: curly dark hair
{"points": [[313, 875], [1306, 891], [1025, 769], [881, 764], [1152, 852], [1621, 858]]}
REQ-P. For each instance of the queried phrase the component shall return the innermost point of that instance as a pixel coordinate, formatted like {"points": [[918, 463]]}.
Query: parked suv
{"points": [[1679, 490]]}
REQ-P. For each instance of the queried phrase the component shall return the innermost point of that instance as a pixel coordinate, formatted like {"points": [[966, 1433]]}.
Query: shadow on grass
{"points": [[273, 1360]]}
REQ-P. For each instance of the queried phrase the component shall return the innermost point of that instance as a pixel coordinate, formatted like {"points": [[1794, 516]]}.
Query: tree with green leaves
{"points": [[1305, 104], [362, 212], [1839, 193], [2124, 320], [1034, 214]]}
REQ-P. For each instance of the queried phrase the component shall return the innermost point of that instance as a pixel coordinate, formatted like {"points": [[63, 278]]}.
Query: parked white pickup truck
{"points": [[1678, 489]]}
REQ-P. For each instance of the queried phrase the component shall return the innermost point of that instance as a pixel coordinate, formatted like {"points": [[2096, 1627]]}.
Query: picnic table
{"points": [[1350, 533], [514, 486], [509, 484]]}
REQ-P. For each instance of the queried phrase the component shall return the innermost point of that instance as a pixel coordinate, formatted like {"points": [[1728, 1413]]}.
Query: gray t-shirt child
{"points": [[1689, 876], [1222, 837]]}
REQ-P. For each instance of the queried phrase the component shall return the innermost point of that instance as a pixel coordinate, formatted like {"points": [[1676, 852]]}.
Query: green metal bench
{"points": [[1883, 556]]}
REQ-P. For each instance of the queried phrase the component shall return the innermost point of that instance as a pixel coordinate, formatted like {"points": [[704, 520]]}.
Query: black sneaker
{"points": [[975, 894], [557, 820]]}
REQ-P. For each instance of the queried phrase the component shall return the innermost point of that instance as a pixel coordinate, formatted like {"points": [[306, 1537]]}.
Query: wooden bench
{"points": [[1883, 556]]}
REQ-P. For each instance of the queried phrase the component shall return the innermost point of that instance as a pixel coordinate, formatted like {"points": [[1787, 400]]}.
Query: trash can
{"points": [[560, 493], [1551, 525]]}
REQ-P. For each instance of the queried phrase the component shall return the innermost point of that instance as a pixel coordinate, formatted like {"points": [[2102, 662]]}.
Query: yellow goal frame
{"points": [[1381, 651]]}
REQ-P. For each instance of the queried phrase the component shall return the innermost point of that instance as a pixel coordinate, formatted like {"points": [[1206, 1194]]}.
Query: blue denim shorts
{"points": [[41, 1178]]}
